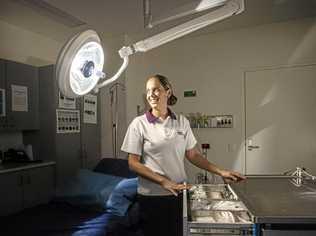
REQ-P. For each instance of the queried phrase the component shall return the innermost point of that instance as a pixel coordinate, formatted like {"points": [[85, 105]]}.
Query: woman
{"points": [[157, 143]]}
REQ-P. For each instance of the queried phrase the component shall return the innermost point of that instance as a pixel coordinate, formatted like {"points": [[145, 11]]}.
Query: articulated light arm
{"points": [[114, 77], [80, 62], [175, 13], [232, 7]]}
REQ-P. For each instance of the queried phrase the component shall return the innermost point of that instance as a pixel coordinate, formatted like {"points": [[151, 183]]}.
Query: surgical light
{"points": [[80, 62]]}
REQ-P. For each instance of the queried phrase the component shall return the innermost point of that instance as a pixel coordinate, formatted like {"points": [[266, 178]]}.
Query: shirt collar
{"points": [[153, 119]]}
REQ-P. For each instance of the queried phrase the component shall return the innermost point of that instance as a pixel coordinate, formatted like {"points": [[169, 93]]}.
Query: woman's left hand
{"points": [[230, 176]]}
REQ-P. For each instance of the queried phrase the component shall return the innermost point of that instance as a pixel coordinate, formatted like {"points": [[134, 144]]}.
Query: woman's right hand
{"points": [[142, 170], [173, 187]]}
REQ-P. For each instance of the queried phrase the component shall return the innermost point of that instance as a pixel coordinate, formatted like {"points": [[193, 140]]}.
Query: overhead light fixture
{"points": [[174, 13], [80, 62], [79, 65]]}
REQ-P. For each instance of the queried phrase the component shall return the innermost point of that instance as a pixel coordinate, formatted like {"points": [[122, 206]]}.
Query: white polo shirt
{"points": [[162, 146]]}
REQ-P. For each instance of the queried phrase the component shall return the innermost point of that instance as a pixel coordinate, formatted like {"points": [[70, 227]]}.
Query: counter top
{"points": [[278, 200], [11, 167]]}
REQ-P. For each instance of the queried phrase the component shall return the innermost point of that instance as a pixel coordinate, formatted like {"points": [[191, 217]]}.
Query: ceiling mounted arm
{"points": [[172, 14], [79, 65], [147, 13], [232, 7]]}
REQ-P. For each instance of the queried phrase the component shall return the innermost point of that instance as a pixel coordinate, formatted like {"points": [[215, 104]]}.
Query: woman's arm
{"points": [[136, 166], [195, 157]]}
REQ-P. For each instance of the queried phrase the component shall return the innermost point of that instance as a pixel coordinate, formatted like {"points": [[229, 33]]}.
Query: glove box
{"points": [[215, 210]]}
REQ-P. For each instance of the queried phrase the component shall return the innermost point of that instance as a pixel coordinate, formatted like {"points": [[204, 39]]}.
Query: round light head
{"points": [[79, 64]]}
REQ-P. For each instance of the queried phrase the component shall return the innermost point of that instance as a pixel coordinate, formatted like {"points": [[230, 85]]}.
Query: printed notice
{"points": [[90, 109], [19, 98], [68, 121], [67, 103]]}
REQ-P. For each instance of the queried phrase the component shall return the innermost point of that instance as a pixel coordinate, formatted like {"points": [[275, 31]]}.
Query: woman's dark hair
{"points": [[167, 86]]}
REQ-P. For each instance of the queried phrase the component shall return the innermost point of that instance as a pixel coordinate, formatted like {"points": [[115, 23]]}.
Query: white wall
{"points": [[27, 47], [214, 65]]}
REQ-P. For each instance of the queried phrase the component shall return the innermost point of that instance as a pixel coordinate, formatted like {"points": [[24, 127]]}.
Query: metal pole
{"points": [[114, 117], [116, 120]]}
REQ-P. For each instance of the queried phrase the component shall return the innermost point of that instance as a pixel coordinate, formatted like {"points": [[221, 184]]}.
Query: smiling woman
{"points": [[159, 92], [157, 143]]}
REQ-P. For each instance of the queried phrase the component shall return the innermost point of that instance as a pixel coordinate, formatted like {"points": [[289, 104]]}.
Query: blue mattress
{"points": [[59, 219]]}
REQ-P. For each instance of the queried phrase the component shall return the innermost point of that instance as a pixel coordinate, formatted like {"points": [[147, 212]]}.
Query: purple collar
{"points": [[152, 119]]}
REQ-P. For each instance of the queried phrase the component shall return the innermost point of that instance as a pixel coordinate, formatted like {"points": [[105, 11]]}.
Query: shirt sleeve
{"points": [[190, 138], [133, 141]]}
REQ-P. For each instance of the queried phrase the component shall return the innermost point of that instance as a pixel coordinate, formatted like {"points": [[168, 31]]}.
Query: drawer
{"points": [[216, 205], [220, 217], [215, 210], [219, 232], [212, 192]]}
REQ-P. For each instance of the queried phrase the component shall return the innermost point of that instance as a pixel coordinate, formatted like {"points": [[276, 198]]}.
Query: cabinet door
{"points": [[11, 193], [2, 86], [67, 156], [2, 74], [39, 186], [23, 75], [64, 149]]}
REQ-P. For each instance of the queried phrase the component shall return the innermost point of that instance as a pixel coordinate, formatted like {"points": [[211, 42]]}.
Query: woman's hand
{"points": [[231, 176], [173, 187]]}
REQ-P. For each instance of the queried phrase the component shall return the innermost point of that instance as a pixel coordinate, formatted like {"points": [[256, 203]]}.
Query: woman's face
{"points": [[157, 96]]}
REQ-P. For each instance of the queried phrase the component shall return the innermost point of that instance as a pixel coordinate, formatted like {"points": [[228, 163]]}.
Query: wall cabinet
{"points": [[2, 74], [25, 188], [2, 87], [11, 192], [70, 151], [14, 73]]}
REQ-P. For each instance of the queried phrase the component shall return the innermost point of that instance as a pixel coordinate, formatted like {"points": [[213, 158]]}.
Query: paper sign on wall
{"points": [[90, 109], [67, 121], [67, 103], [19, 98]]}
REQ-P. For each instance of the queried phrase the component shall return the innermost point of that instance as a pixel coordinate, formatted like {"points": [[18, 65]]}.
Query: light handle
{"points": [[114, 77]]}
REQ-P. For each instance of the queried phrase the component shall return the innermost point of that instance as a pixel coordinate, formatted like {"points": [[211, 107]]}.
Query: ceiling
{"points": [[125, 17]]}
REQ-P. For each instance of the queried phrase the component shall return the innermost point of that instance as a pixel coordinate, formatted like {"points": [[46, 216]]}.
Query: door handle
{"points": [[250, 147]]}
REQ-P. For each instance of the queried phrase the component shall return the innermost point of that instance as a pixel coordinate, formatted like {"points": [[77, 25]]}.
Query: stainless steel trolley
{"points": [[259, 206]]}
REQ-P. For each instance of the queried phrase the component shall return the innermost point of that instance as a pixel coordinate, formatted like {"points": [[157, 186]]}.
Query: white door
{"points": [[280, 121]]}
